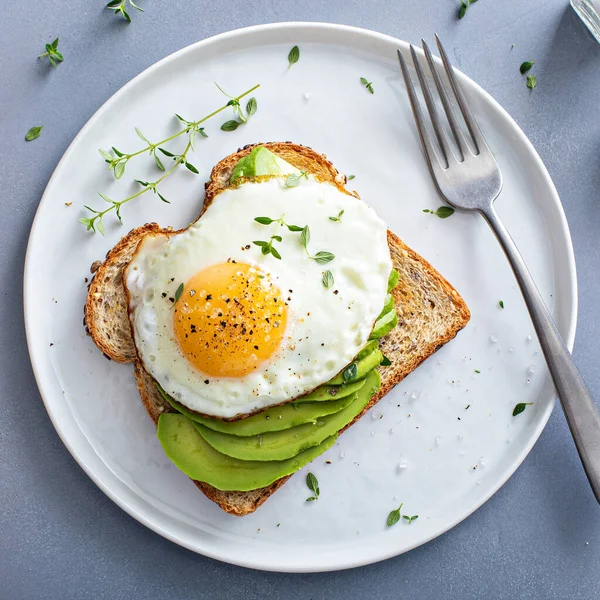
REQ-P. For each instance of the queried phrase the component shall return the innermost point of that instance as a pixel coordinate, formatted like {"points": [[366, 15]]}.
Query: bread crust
{"points": [[425, 301], [106, 306]]}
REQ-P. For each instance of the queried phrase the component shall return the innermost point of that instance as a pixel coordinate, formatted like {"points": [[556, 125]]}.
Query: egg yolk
{"points": [[229, 319]]}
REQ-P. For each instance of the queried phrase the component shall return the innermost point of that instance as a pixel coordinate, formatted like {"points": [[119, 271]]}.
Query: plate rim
{"points": [[123, 502]]}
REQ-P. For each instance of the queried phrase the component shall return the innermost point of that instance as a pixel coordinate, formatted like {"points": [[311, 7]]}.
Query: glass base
{"points": [[588, 12]]}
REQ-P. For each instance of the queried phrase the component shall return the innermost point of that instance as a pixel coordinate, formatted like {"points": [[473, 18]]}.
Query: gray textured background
{"points": [[60, 537]]}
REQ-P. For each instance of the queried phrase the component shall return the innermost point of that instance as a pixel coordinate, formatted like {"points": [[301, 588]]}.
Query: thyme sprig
{"points": [[118, 160], [119, 6], [312, 483], [321, 258], [238, 111], [53, 54], [267, 247]]}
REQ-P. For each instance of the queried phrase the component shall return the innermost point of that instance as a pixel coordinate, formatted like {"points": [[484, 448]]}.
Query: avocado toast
{"points": [[247, 460]]}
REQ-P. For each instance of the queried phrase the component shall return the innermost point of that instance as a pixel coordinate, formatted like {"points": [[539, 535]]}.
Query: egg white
{"points": [[325, 327]]}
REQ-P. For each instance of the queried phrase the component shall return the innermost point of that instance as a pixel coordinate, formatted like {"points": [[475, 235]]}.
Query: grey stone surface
{"points": [[60, 537]]}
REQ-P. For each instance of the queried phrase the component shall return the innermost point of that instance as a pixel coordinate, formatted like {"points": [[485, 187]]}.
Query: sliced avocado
{"points": [[372, 345], [261, 161], [331, 392], [200, 461], [272, 419], [387, 306], [384, 325], [393, 279], [358, 369], [282, 445]]}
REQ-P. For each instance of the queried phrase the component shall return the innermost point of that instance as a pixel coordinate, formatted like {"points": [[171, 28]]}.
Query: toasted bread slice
{"points": [[430, 310], [106, 310]]}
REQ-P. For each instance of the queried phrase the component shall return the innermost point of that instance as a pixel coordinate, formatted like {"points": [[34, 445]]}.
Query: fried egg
{"points": [[227, 329]]}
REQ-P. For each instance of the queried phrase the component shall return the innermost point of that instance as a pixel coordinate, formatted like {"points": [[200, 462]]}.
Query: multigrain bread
{"points": [[430, 310]]}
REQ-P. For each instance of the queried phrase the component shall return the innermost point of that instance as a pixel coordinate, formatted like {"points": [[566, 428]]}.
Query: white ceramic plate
{"points": [[450, 426]]}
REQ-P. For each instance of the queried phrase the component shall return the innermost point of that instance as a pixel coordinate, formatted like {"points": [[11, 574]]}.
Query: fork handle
{"points": [[582, 414]]}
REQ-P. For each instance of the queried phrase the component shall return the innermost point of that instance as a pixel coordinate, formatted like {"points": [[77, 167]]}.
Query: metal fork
{"points": [[472, 181]]}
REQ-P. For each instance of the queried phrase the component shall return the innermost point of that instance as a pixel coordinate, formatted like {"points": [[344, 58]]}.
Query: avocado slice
{"points": [[200, 461], [362, 368], [384, 325], [372, 345], [329, 393], [387, 306], [261, 161], [277, 418], [283, 445], [393, 279]]}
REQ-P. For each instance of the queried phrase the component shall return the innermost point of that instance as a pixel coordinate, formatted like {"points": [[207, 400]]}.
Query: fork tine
{"points": [[457, 132], [432, 158], [472, 125], [433, 114]]}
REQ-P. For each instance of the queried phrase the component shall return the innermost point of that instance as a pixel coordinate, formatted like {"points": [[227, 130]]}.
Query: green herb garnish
{"points": [[519, 408], [54, 56], [264, 220], [267, 247], [327, 279], [251, 106], [477, 371], [350, 372], [178, 292], [394, 517], [367, 84], [322, 257], [385, 361], [338, 218], [280, 221], [313, 485], [242, 117], [350, 177], [531, 82], [293, 56], [294, 179], [230, 125], [118, 160], [464, 5], [501, 303], [526, 66], [119, 7], [305, 237], [147, 184], [33, 133], [443, 212]]}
